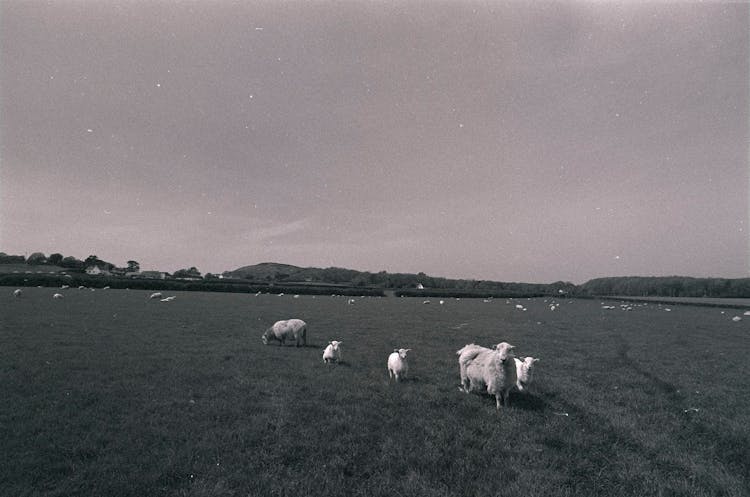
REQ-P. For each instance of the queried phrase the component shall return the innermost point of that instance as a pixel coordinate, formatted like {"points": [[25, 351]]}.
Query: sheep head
{"points": [[268, 335], [401, 352], [504, 351]]}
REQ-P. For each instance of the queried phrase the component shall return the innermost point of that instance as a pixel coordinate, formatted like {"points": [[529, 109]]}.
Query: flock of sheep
{"points": [[495, 371]]}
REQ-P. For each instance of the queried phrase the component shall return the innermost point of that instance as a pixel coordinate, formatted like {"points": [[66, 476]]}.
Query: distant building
{"points": [[153, 275], [420, 286], [96, 271]]}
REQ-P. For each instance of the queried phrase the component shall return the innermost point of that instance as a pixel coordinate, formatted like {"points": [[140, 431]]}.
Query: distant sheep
{"points": [[491, 370], [523, 372], [290, 329], [332, 353], [57, 296], [156, 295], [398, 367], [17, 292]]}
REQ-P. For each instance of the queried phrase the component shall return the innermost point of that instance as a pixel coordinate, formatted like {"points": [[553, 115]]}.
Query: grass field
{"points": [[107, 393]]}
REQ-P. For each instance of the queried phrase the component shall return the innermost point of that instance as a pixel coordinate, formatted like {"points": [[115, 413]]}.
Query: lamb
{"points": [[523, 372], [332, 353], [156, 295], [292, 329], [492, 370], [17, 292], [57, 296], [398, 367]]}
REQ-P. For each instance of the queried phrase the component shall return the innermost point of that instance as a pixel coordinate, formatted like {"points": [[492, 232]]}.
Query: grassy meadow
{"points": [[108, 393]]}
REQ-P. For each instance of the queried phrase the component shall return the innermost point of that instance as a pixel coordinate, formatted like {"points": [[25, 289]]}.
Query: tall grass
{"points": [[108, 393]]}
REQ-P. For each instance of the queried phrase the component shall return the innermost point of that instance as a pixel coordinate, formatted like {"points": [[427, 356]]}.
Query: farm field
{"points": [[109, 393]]}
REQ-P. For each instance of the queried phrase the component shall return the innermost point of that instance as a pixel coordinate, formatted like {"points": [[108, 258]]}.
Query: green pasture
{"points": [[108, 393]]}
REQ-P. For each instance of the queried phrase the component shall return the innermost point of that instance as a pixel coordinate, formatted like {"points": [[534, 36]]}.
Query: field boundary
{"points": [[733, 303]]}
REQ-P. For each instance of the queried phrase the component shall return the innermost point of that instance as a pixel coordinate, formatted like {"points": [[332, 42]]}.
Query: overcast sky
{"points": [[512, 141]]}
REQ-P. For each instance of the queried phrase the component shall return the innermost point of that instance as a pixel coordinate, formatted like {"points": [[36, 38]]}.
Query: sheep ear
{"points": [[536, 359]]}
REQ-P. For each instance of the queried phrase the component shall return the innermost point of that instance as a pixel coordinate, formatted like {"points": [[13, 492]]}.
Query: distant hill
{"points": [[264, 271], [271, 272]]}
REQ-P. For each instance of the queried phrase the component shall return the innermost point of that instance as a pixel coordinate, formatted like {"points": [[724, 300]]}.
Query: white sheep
{"points": [[156, 295], [57, 296], [491, 370], [523, 372], [17, 292], [332, 353], [292, 329], [398, 367]]}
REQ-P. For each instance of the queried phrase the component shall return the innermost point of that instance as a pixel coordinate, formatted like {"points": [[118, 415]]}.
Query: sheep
{"points": [[17, 292], [156, 295], [398, 367], [292, 329], [523, 372], [492, 370], [57, 296], [465, 355], [332, 353]]}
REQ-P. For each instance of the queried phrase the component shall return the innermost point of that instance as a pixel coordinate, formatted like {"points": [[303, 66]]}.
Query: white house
{"points": [[96, 271]]}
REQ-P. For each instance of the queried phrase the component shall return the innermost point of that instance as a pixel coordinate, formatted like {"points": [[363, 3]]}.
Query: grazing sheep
{"points": [[17, 292], [156, 295], [492, 370], [292, 329], [523, 372], [332, 353], [57, 296], [398, 367]]}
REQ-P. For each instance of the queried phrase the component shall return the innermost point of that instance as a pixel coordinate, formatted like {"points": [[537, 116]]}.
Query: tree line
{"points": [[282, 275], [667, 286], [73, 264]]}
